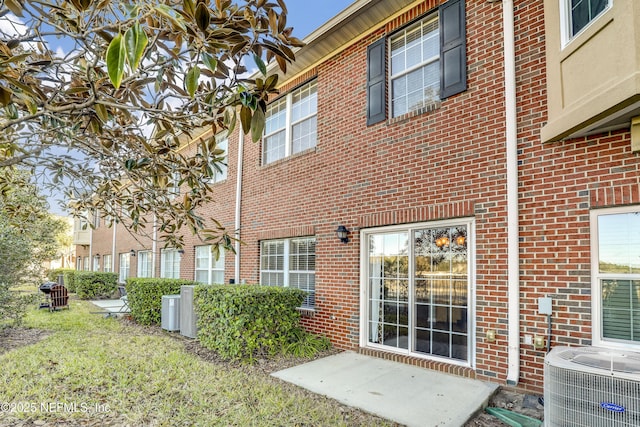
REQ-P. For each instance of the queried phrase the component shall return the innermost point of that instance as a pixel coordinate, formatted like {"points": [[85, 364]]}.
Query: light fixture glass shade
{"points": [[343, 234]]}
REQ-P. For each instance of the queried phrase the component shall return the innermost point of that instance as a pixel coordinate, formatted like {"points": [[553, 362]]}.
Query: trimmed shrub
{"points": [[305, 344], [243, 321], [69, 276], [145, 297], [95, 285]]}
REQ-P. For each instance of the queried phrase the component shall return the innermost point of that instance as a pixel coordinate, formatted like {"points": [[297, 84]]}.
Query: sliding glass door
{"points": [[418, 289]]}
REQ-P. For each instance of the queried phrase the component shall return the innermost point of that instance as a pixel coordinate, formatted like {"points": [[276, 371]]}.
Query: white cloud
{"points": [[12, 26]]}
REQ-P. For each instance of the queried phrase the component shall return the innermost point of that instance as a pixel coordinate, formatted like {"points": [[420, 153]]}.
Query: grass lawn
{"points": [[91, 369]]}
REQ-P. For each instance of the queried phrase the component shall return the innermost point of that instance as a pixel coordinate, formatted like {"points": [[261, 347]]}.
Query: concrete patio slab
{"points": [[402, 393], [111, 306]]}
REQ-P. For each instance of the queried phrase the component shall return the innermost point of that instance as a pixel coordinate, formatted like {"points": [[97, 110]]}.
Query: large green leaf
{"points": [[171, 15], [257, 124], [260, 63], [245, 118], [191, 80], [203, 17], [210, 61], [5, 96], [136, 41], [14, 6], [116, 58]]}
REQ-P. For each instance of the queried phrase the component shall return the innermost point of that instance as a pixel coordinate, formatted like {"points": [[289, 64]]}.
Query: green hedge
{"points": [[145, 297], [69, 277], [243, 321], [95, 285]]}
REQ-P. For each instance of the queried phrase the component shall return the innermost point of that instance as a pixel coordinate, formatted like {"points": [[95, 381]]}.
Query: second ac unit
{"points": [[591, 387], [188, 325], [170, 314]]}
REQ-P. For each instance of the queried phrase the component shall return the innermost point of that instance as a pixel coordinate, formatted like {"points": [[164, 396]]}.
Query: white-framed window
{"points": [[96, 263], [85, 264], [174, 185], [615, 266], [291, 124], [208, 269], [145, 264], [125, 266], [415, 66], [417, 279], [576, 15], [290, 263], [107, 265], [170, 263], [220, 167]]}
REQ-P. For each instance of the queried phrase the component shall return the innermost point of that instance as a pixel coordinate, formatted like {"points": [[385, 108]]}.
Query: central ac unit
{"points": [[591, 387], [170, 313]]}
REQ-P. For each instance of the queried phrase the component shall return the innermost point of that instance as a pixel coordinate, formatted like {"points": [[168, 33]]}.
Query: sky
{"points": [[304, 16]]}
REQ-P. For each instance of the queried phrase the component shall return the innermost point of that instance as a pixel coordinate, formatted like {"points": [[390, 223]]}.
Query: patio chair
{"points": [[59, 297], [125, 300]]}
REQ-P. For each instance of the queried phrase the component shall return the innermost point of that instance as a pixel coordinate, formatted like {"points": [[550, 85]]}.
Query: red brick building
{"points": [[479, 155]]}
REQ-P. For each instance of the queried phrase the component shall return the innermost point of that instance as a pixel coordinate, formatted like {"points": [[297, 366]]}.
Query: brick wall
{"points": [[446, 163], [559, 184]]}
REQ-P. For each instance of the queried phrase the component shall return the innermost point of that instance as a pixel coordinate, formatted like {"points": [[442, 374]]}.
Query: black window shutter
{"points": [[453, 48], [376, 82]]}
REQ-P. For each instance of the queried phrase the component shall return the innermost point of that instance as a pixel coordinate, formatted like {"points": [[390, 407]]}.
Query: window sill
{"points": [[212, 182], [417, 112], [291, 157], [307, 311]]}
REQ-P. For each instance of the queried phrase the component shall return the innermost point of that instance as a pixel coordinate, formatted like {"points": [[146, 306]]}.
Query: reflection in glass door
{"points": [[389, 289], [441, 284], [418, 290]]}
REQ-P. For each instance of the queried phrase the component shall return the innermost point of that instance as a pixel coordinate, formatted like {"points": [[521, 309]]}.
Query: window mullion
{"points": [[415, 67], [410, 290], [285, 264], [288, 128]]}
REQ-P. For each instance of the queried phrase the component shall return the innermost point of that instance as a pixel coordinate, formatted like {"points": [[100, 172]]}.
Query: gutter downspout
{"points": [[513, 259], [154, 245], [236, 235], [92, 264], [113, 249]]}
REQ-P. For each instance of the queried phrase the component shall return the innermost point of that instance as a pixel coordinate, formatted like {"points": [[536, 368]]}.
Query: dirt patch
{"points": [[12, 338], [513, 400]]}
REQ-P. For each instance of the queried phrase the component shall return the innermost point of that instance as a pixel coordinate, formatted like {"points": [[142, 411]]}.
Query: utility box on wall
{"points": [[188, 326], [170, 315]]}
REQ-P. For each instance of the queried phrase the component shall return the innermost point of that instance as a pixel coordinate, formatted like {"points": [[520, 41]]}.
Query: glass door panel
{"points": [[440, 292], [418, 291], [389, 290]]}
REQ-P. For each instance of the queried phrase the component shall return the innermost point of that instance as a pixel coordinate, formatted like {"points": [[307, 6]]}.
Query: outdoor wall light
{"points": [[133, 252], [97, 256], [343, 234], [181, 251]]}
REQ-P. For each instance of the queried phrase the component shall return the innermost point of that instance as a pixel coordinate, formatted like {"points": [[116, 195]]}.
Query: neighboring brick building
{"points": [[470, 173]]}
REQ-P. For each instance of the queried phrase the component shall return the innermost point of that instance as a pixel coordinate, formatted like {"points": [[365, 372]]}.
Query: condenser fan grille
{"points": [[583, 390], [613, 361]]}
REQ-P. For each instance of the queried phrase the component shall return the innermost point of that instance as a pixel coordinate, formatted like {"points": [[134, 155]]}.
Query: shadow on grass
{"points": [[91, 369]]}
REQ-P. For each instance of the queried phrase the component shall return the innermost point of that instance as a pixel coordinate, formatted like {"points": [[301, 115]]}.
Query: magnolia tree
{"points": [[96, 97]]}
